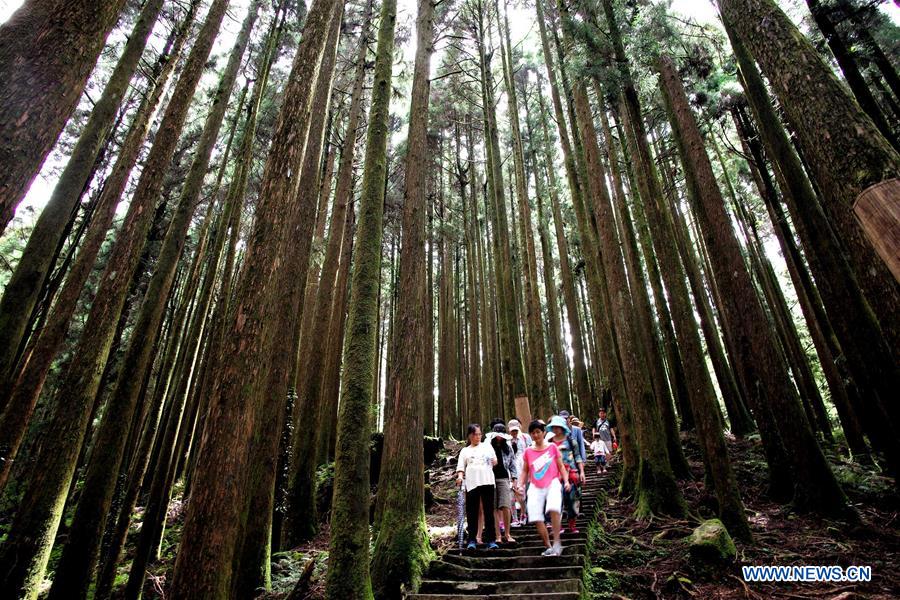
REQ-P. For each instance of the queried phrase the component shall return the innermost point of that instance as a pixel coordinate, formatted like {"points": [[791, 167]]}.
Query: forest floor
{"points": [[649, 559]]}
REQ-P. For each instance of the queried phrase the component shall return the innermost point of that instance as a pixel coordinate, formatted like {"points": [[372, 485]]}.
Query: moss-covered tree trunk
{"points": [[855, 155], [27, 387], [28, 546], [873, 369], [23, 289], [218, 489], [814, 484], [348, 562], [401, 548], [57, 45]]}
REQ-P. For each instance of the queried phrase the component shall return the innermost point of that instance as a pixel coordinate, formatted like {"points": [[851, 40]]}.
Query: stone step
{"points": [[516, 551], [447, 571], [550, 596], [537, 542], [480, 588], [513, 562]]}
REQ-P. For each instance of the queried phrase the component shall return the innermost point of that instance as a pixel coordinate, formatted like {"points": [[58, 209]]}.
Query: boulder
{"points": [[710, 547]]}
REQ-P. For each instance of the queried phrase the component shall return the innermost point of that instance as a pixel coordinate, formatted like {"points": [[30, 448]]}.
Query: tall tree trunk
{"points": [[739, 418], [33, 530], [401, 547], [874, 370], [307, 366], [674, 358], [817, 320], [855, 157], [348, 563], [579, 369], [218, 496], [24, 394], [656, 491], [534, 331], [815, 486], [73, 574], [57, 44], [697, 375], [560, 367], [850, 69], [159, 492], [511, 367], [25, 284]]}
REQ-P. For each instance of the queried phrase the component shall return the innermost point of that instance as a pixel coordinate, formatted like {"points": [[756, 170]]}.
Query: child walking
{"points": [[598, 447], [542, 468]]}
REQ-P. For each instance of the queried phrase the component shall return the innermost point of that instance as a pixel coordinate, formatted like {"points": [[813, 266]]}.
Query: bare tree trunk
{"points": [[218, 496], [814, 485]]}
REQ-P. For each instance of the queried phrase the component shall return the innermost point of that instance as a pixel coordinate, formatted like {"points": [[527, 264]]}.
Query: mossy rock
{"points": [[711, 548]]}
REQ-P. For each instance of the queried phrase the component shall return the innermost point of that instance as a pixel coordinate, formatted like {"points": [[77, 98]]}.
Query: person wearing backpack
{"points": [[561, 436]]}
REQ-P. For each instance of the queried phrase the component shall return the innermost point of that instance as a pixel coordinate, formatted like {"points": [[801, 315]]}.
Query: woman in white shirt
{"points": [[475, 470]]}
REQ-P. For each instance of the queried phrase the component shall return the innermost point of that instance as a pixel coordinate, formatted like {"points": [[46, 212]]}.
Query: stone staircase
{"points": [[515, 571]]}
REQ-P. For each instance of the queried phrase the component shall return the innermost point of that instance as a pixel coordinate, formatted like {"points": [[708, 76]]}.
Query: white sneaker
{"points": [[549, 552], [556, 550]]}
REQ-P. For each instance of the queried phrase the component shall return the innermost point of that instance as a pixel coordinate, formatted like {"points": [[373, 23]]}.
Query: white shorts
{"points": [[543, 500]]}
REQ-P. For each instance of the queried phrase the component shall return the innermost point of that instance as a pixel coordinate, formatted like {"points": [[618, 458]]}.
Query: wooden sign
{"points": [[523, 410], [878, 211]]}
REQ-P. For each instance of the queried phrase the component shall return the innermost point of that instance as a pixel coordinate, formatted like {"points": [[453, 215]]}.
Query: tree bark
{"points": [[814, 484], [218, 492], [348, 568], [25, 284], [47, 52]]}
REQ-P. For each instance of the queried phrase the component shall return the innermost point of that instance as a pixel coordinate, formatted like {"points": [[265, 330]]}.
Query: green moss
{"points": [[710, 548], [401, 556], [657, 493]]}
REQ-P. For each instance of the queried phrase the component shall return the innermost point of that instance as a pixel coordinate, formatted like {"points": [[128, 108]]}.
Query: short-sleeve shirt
{"points": [[476, 463], [599, 447], [542, 465], [602, 428]]}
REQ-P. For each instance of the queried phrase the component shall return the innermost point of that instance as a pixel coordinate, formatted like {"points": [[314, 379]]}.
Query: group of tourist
{"points": [[510, 478]]}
